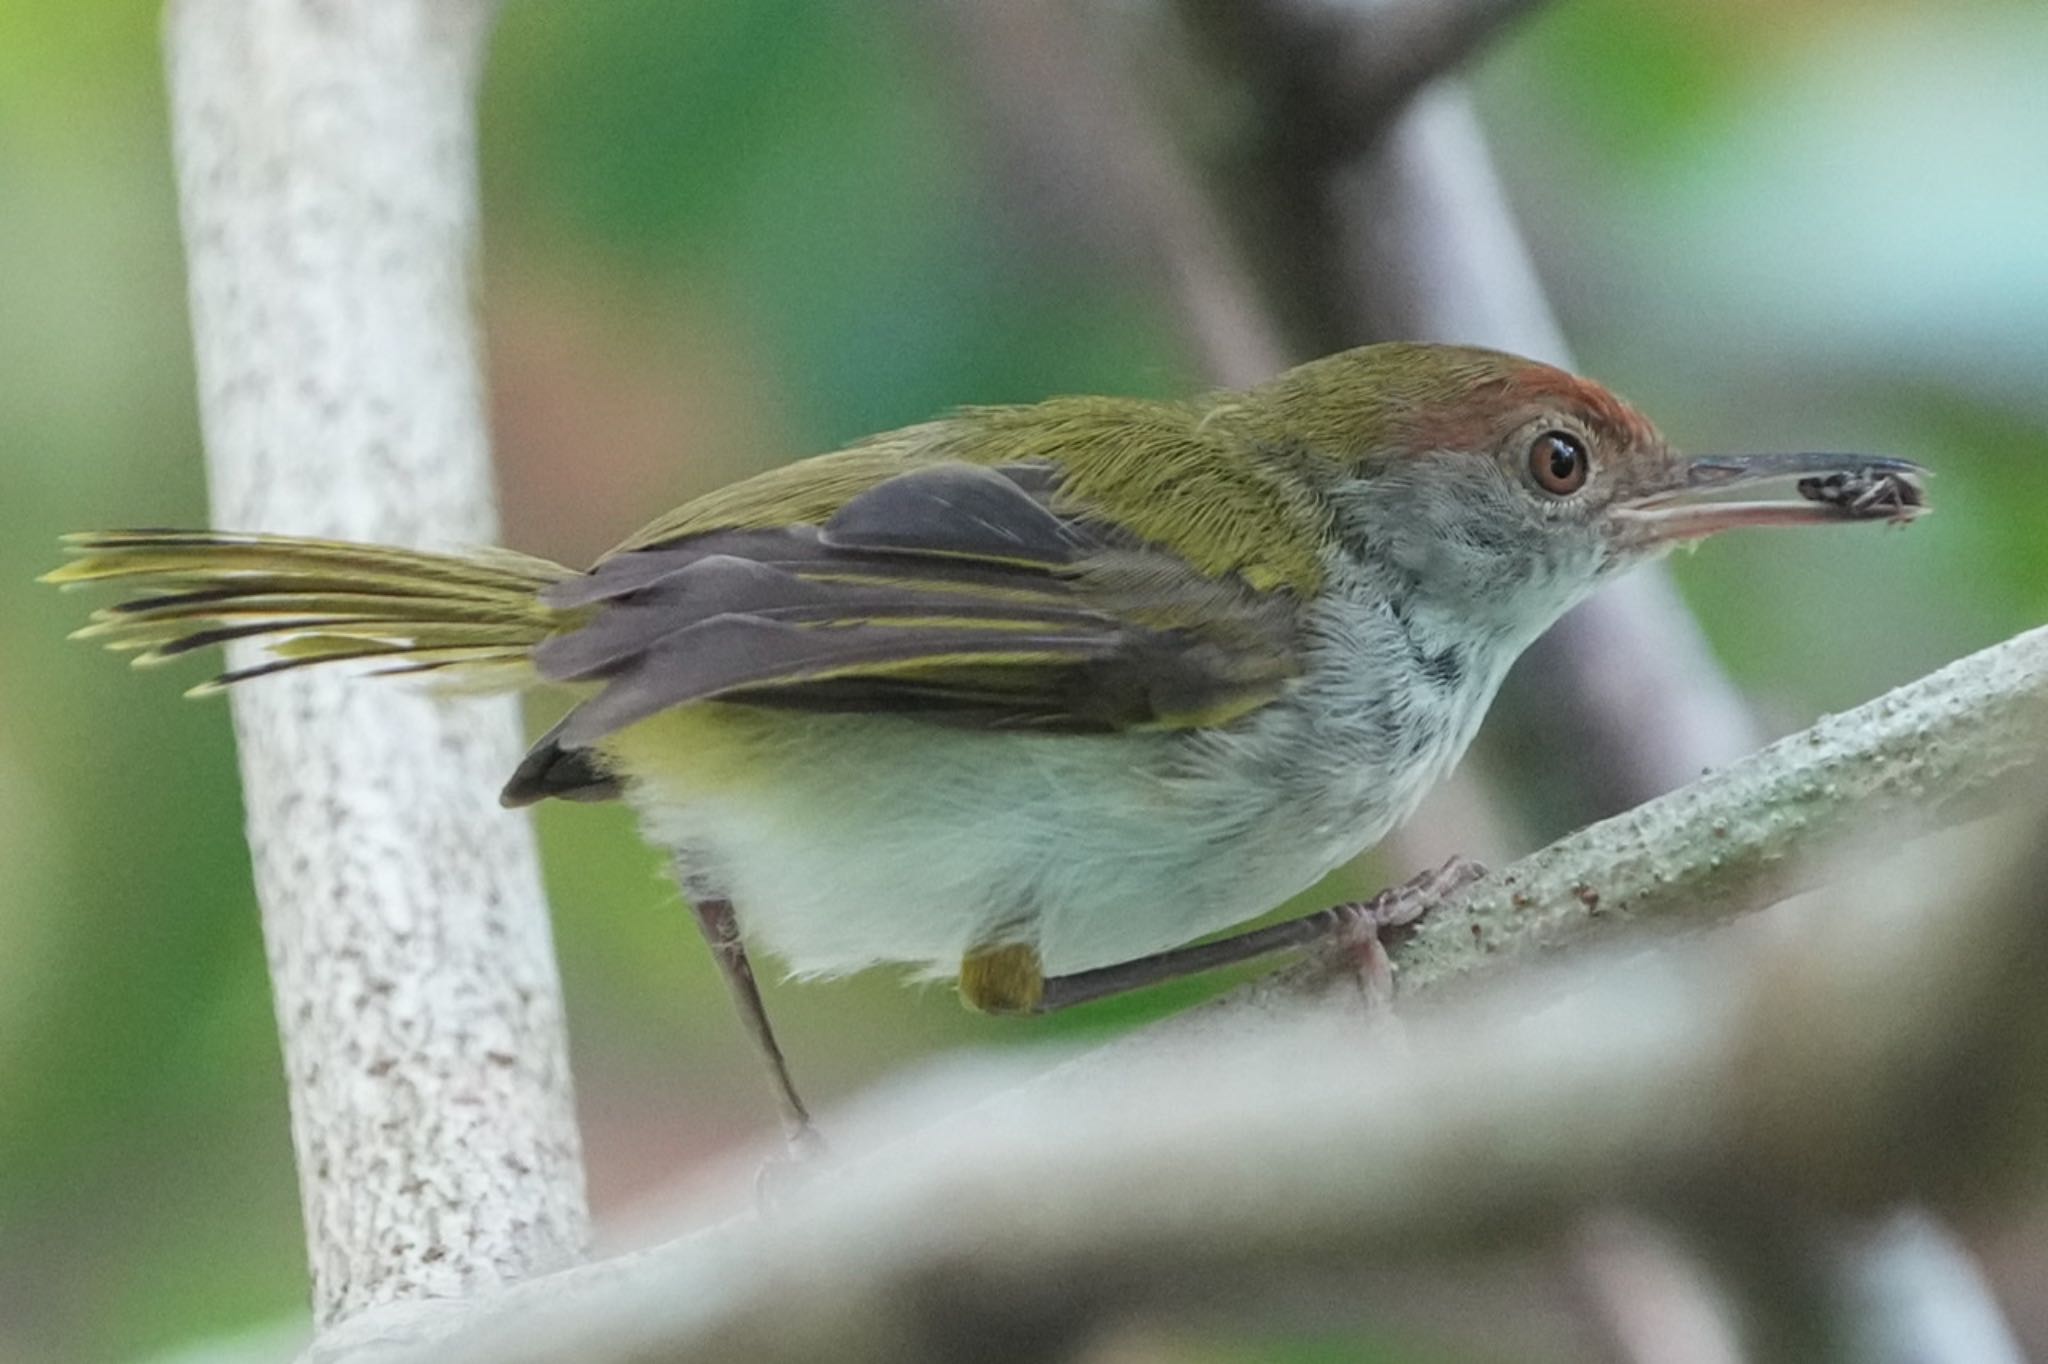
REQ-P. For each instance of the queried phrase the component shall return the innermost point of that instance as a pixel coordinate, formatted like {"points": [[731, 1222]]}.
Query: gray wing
{"points": [[955, 593]]}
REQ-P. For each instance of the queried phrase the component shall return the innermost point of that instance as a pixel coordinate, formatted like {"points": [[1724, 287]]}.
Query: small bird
{"points": [[1031, 696]]}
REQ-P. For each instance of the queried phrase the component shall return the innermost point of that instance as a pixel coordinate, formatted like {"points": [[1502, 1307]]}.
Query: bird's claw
{"points": [[1361, 922], [782, 1178], [1402, 905]]}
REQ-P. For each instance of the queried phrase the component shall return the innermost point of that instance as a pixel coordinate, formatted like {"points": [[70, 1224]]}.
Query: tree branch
{"points": [[1077, 156], [1372, 228], [326, 176], [1653, 1298], [1080, 156], [1927, 756], [1916, 1298], [1437, 256], [1894, 1046], [1425, 246], [1350, 65]]}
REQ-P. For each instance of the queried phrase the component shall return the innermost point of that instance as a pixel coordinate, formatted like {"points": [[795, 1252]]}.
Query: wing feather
{"points": [[956, 592]]}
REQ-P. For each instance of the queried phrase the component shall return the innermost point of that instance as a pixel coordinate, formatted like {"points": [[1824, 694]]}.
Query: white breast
{"points": [[881, 839]]}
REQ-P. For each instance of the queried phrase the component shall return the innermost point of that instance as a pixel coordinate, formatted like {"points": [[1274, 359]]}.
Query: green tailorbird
{"points": [[1030, 696]]}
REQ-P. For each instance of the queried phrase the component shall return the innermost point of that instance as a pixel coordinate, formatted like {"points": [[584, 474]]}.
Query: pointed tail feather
{"points": [[474, 617]]}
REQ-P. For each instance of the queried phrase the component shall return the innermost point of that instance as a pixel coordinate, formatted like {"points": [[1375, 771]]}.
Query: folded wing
{"points": [[963, 594]]}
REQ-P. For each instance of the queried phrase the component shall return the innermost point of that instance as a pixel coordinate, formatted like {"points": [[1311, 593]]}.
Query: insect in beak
{"points": [[1825, 487]]}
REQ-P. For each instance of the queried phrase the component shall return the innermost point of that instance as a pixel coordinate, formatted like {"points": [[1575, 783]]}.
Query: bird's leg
{"points": [[1362, 921], [722, 932]]}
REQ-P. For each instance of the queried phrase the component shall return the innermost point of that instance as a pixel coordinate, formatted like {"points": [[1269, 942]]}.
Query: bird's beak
{"points": [[1694, 503]]}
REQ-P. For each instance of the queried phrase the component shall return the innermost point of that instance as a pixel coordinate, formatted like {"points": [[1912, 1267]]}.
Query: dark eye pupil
{"points": [[1558, 462]]}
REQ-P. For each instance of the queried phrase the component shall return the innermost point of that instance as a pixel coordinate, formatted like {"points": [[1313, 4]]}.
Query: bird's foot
{"points": [[1361, 926], [782, 1178], [1399, 906]]}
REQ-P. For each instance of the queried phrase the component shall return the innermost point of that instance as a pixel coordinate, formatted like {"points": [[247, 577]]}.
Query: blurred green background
{"points": [[723, 233]]}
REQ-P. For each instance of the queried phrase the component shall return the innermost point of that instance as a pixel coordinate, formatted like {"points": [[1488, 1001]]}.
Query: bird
{"points": [[1030, 697]]}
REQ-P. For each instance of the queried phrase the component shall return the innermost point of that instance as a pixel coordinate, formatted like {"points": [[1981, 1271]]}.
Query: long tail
{"points": [[477, 616]]}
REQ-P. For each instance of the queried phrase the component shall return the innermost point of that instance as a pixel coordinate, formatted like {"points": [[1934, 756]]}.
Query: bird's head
{"points": [[1508, 489]]}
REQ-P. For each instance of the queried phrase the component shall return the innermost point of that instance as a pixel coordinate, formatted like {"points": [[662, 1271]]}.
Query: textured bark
{"points": [[1932, 754], [326, 172], [1893, 1047]]}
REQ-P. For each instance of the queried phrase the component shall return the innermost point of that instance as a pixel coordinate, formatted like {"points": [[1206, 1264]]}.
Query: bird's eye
{"points": [[1558, 463]]}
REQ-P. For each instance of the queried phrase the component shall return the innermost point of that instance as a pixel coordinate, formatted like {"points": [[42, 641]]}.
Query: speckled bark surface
{"points": [[326, 169], [1890, 1049], [1926, 756]]}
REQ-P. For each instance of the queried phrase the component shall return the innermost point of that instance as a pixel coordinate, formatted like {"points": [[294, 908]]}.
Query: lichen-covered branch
{"points": [[1926, 756], [326, 176], [1932, 754], [1894, 1047]]}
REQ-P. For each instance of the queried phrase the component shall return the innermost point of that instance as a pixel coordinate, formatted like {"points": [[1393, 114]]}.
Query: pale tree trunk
{"points": [[327, 177]]}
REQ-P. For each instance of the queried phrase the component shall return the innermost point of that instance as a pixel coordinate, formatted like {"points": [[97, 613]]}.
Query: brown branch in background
{"points": [[1653, 1298], [1077, 158], [1080, 157], [1357, 224], [1401, 229], [1626, 681], [1358, 62]]}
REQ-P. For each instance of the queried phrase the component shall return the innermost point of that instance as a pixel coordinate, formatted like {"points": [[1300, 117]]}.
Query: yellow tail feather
{"points": [[475, 616]]}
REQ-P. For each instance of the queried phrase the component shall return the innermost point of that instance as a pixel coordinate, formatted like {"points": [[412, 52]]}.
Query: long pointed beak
{"points": [[1824, 487]]}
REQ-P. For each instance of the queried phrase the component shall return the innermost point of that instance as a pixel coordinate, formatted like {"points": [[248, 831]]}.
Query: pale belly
{"points": [[847, 841]]}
